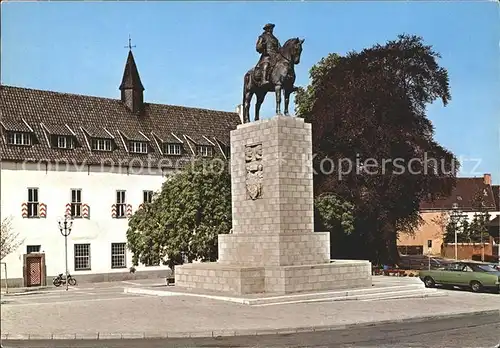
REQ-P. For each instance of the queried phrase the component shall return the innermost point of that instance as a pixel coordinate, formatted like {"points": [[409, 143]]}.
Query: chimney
{"points": [[487, 179], [239, 111]]}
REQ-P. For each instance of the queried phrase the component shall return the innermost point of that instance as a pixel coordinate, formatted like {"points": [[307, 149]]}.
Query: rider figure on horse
{"points": [[268, 46]]}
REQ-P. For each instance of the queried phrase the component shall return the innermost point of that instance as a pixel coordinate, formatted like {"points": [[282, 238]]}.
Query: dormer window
{"points": [[19, 138], [59, 135], [138, 147], [17, 132], [205, 150], [173, 149], [65, 142], [99, 138], [101, 144], [226, 150]]}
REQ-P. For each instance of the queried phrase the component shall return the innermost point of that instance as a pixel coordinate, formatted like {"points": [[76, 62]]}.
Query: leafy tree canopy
{"points": [[473, 230], [478, 228], [458, 223], [333, 214], [373, 142], [185, 217]]}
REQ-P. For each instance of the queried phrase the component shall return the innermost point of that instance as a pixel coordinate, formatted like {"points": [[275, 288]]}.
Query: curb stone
{"points": [[243, 332], [286, 331], [110, 336], [200, 334], [179, 335], [64, 336], [456, 315], [25, 291], [130, 336], [224, 333], [268, 332], [84, 336], [424, 318]]}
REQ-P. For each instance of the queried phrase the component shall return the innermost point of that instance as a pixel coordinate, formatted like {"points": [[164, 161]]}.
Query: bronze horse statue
{"points": [[282, 79]]}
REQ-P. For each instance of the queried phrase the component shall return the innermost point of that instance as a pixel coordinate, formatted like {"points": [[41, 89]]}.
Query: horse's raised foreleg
{"points": [[260, 99], [287, 100], [277, 89]]}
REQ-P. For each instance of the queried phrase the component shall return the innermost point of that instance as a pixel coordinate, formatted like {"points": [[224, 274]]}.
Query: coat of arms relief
{"points": [[254, 174]]}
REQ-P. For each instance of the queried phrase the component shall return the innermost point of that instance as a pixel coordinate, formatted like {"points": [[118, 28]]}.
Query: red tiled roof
{"points": [[463, 194], [495, 222], [57, 129], [98, 116], [496, 195]]}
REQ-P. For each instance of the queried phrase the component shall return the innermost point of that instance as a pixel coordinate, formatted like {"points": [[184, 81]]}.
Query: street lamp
{"points": [[482, 244], [455, 227], [65, 229]]}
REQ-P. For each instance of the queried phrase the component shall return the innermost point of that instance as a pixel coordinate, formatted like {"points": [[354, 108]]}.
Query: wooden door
{"points": [[34, 270]]}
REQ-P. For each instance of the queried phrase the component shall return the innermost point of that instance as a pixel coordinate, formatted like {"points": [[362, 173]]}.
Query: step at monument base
{"points": [[235, 279]]}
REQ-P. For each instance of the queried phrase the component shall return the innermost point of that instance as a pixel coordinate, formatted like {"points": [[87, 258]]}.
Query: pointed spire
{"points": [[131, 79], [132, 90]]}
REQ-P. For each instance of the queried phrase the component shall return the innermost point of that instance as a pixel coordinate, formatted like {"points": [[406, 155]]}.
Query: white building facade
{"points": [[96, 160], [100, 201]]}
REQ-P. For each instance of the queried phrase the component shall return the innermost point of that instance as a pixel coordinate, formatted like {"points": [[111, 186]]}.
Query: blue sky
{"points": [[196, 53]]}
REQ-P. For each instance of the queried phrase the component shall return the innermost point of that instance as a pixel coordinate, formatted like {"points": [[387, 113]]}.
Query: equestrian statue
{"points": [[275, 71]]}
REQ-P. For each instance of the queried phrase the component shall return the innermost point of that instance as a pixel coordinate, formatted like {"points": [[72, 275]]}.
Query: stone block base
{"points": [[218, 277], [340, 274], [274, 249], [319, 277]]}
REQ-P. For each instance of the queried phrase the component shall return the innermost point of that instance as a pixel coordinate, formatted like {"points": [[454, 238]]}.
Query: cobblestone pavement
{"points": [[106, 309], [469, 331]]}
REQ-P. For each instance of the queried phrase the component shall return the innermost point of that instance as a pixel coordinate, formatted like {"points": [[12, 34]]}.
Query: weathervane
{"points": [[129, 43]]}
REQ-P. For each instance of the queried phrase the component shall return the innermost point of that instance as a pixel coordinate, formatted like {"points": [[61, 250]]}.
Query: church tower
{"points": [[132, 90]]}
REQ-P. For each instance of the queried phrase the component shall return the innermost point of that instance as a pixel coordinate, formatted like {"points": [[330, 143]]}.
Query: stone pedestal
{"points": [[273, 247]]}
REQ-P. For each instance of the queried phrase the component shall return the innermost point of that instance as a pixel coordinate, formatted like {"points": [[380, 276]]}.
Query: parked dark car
{"points": [[487, 258], [421, 262]]}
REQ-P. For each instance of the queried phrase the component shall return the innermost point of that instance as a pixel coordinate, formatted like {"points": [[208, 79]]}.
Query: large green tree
{"points": [[185, 217], [333, 214], [458, 226], [478, 228], [373, 142], [468, 230]]}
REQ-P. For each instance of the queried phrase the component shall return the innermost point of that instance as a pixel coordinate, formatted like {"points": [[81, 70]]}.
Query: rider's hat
{"points": [[269, 26]]}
